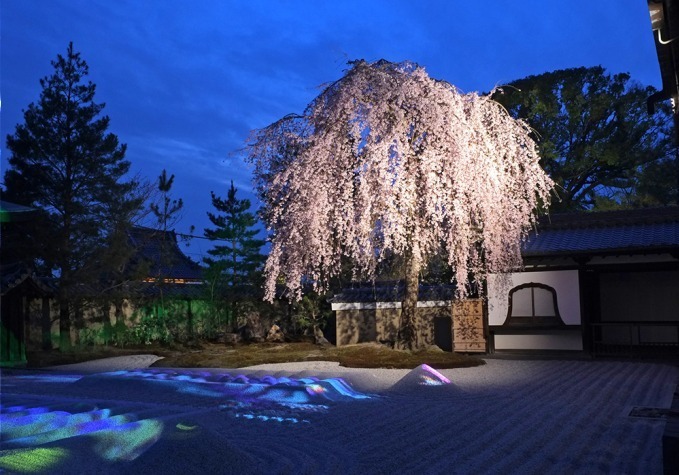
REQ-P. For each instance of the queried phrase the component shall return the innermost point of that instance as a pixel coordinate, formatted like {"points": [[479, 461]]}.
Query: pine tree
{"points": [[64, 162], [234, 265], [167, 214]]}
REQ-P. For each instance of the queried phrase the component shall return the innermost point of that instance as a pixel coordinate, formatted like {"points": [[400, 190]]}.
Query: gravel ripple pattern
{"points": [[508, 416]]}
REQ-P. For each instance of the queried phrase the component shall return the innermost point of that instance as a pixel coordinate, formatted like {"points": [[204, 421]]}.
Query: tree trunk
{"points": [[66, 281], [189, 320], [64, 325], [46, 324], [120, 316], [78, 321], [407, 338]]}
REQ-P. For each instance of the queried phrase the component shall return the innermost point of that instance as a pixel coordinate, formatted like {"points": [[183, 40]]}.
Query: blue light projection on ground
{"points": [[282, 389], [138, 436], [117, 435], [258, 398], [50, 378]]}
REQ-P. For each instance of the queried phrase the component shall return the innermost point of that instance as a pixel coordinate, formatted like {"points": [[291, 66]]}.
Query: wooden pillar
{"points": [[46, 324]]}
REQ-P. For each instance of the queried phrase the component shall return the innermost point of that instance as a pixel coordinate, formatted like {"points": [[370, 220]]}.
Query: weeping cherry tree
{"points": [[388, 161]]}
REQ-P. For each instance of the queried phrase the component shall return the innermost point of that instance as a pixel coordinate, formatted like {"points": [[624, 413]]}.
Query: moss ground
{"points": [[213, 355]]}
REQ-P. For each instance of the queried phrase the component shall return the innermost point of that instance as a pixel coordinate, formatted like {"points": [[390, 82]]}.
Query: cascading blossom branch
{"points": [[390, 161]]}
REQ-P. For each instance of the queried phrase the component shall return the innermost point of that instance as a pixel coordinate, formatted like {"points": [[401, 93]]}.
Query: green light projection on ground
{"points": [[32, 460], [137, 436]]}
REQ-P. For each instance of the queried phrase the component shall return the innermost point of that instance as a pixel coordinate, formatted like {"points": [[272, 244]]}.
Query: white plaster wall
{"points": [[564, 282], [563, 341]]}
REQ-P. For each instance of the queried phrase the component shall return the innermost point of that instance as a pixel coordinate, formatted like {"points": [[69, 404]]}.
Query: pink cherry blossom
{"points": [[388, 160]]}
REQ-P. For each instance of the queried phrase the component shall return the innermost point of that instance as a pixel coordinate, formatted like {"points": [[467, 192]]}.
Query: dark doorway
{"points": [[443, 333]]}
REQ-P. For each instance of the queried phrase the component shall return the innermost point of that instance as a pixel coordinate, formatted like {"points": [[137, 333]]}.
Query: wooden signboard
{"points": [[468, 332]]}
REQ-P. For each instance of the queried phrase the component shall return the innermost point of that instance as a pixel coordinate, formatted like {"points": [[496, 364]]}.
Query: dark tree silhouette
{"points": [[64, 162], [595, 136], [235, 262], [167, 214]]}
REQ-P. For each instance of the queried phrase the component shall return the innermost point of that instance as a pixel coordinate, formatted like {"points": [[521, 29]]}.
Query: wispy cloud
{"points": [[185, 82]]}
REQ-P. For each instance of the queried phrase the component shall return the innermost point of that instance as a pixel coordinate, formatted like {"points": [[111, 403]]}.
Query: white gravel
{"points": [[114, 363], [507, 416]]}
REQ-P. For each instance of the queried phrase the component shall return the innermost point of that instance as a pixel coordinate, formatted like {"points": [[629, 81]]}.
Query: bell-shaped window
{"points": [[533, 304]]}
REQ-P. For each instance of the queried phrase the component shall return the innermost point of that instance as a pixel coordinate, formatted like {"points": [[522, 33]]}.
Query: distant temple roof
{"points": [[14, 212], [652, 230], [168, 263], [638, 231], [14, 275]]}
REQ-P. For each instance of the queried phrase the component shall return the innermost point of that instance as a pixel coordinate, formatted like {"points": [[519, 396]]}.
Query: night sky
{"points": [[185, 81]]}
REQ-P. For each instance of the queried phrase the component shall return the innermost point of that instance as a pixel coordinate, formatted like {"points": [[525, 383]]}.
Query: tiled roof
{"points": [[14, 208], [173, 264], [13, 275], [385, 292], [14, 212], [624, 231], [192, 291]]}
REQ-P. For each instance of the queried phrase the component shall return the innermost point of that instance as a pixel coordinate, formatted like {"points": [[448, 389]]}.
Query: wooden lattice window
{"points": [[533, 304]]}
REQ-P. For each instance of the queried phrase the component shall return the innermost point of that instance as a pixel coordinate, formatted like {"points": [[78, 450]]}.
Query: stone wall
{"points": [[380, 322]]}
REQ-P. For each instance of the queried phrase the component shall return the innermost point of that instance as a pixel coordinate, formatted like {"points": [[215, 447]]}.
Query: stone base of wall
{"points": [[380, 323]]}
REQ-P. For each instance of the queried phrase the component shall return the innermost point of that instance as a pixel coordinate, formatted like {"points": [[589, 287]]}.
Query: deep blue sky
{"points": [[185, 81]]}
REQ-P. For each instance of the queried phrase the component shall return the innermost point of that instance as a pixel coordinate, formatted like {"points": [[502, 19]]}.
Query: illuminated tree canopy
{"points": [[387, 160]]}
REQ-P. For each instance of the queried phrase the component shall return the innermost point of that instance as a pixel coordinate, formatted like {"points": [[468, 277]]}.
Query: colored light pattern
{"points": [[265, 398], [117, 437], [31, 460], [280, 389], [430, 377], [271, 411], [49, 378], [48, 426], [138, 436], [265, 418], [185, 427]]}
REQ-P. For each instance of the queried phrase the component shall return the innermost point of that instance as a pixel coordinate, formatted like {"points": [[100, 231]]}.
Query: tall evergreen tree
{"points": [[64, 162], [167, 214], [233, 266], [658, 183]]}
